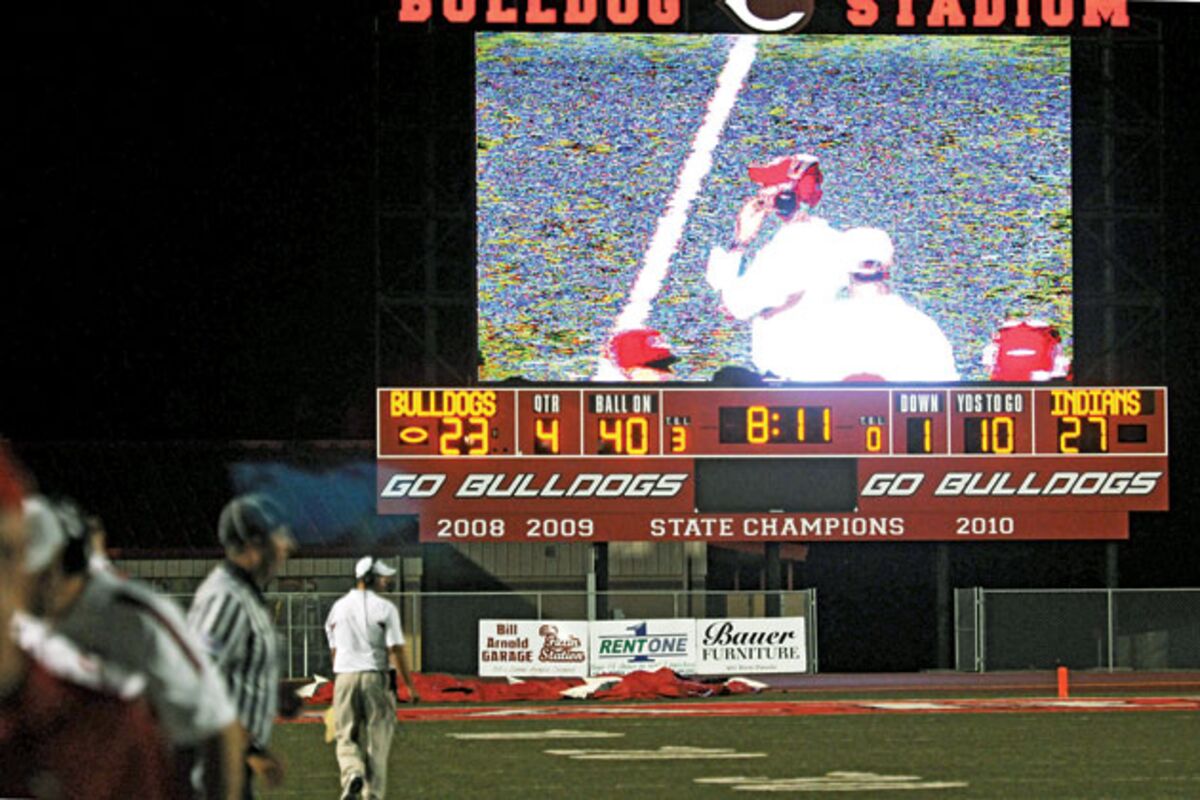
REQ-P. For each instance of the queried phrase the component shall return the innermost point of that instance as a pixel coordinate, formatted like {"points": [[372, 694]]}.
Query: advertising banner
{"points": [[533, 648], [750, 646], [626, 645]]}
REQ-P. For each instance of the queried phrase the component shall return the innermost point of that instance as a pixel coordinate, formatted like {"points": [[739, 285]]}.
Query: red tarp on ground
{"points": [[439, 688], [648, 685]]}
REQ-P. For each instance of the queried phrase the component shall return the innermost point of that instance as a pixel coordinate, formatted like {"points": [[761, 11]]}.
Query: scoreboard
{"points": [[771, 464]]}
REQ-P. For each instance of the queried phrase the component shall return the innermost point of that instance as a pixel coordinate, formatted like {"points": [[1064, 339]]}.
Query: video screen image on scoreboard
{"points": [[610, 166]]}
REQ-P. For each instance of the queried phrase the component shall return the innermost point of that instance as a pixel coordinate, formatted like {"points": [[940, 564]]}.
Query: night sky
{"points": [[193, 220], [194, 253]]}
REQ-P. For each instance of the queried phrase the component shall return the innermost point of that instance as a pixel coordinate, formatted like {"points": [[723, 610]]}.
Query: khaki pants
{"points": [[364, 714]]}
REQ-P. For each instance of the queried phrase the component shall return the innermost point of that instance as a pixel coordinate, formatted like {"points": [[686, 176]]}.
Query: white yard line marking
{"points": [[553, 734], [834, 782], [661, 754], [657, 259]]}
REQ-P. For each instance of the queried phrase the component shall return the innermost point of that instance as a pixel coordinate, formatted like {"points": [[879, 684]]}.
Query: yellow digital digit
{"points": [[610, 431], [637, 436], [800, 425], [1069, 435], [546, 432], [1002, 429], [450, 442], [826, 424], [918, 435], [874, 438], [678, 439], [757, 425], [1102, 422], [478, 436]]}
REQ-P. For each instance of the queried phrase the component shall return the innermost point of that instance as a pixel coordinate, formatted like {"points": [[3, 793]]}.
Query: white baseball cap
{"points": [[870, 245], [369, 564]]}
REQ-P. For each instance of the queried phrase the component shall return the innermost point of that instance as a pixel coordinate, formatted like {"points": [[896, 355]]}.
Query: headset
{"points": [[786, 203], [78, 550], [369, 581]]}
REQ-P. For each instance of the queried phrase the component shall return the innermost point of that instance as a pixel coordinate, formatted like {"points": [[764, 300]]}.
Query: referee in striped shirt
{"points": [[229, 615]]}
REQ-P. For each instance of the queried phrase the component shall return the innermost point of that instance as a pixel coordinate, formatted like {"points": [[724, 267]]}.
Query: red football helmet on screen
{"points": [[1026, 350], [640, 347], [799, 174]]}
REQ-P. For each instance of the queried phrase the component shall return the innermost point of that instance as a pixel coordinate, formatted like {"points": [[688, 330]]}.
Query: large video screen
{"points": [[812, 209]]}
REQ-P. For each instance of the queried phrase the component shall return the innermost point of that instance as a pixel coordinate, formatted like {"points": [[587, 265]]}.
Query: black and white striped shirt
{"points": [[230, 617]]}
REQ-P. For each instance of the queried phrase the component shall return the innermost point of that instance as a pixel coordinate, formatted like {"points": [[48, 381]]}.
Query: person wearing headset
{"points": [[126, 624], [365, 640], [793, 274], [65, 726]]}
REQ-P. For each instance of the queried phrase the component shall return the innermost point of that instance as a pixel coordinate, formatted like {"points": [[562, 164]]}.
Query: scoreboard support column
{"points": [[597, 581], [774, 581], [696, 577], [945, 645]]}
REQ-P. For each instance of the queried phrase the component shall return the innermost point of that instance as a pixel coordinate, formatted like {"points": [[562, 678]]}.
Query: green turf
{"points": [[1010, 755]]}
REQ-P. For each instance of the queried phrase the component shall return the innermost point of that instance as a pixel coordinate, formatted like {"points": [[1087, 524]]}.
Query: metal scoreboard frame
{"points": [[765, 464]]}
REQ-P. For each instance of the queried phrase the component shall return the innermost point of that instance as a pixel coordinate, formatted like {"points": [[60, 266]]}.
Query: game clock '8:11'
{"points": [[776, 424]]}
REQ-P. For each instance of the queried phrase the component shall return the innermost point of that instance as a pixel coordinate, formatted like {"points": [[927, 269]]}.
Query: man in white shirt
{"points": [[365, 640], [872, 334]]}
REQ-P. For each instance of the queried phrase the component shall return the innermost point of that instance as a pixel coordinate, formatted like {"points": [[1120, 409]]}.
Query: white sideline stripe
{"points": [[657, 259]]}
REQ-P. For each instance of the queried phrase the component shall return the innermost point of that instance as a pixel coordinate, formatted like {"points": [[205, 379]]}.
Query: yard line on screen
{"points": [[657, 259]]}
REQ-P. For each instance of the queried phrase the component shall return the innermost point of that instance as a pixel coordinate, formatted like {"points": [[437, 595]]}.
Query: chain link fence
{"points": [[442, 627], [1106, 629]]}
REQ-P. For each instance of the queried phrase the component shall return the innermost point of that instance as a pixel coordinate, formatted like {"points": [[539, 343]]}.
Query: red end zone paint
{"points": [[787, 709]]}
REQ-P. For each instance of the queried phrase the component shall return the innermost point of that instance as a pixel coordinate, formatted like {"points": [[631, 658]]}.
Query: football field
{"points": [[1092, 748]]}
